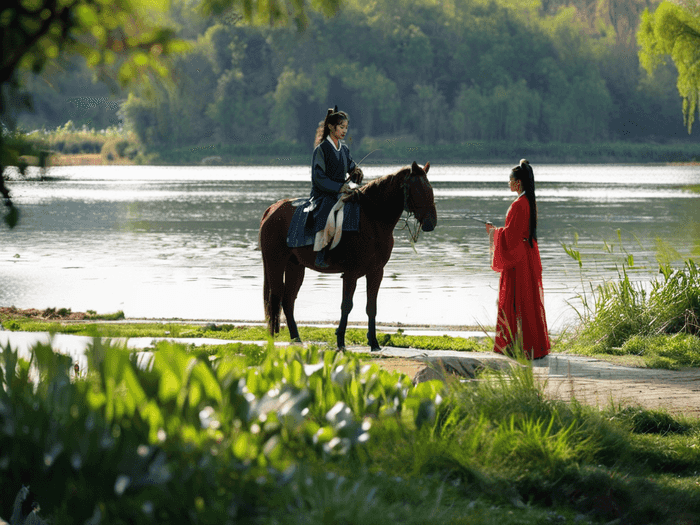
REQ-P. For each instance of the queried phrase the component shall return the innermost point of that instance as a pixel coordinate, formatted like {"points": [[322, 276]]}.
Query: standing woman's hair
{"points": [[333, 118], [523, 173]]}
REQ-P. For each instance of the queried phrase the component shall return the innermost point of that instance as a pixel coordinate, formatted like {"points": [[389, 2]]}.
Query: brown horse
{"points": [[362, 253]]}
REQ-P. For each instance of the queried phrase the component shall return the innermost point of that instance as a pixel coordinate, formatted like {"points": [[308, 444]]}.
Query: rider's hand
{"points": [[356, 175], [348, 194]]}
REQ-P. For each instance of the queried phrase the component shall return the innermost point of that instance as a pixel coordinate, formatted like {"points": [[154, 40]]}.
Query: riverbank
{"points": [[402, 151], [107, 147], [594, 381]]}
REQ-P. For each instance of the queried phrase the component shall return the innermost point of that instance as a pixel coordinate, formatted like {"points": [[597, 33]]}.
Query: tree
{"points": [[674, 30], [121, 39], [117, 38]]}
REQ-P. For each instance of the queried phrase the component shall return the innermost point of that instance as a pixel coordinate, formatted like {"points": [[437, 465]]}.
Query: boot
{"points": [[321, 258]]}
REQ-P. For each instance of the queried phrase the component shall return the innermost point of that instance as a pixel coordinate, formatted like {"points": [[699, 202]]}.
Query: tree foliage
{"points": [[124, 41], [433, 71], [439, 72], [674, 30]]}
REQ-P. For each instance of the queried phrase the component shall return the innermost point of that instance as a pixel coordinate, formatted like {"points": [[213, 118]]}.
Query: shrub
{"points": [[181, 437]]}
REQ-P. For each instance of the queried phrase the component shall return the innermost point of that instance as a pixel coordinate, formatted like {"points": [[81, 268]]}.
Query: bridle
{"points": [[407, 204]]}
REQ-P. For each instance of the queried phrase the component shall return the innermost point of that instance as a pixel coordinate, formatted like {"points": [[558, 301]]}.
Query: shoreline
{"points": [[377, 151], [75, 160], [66, 315]]}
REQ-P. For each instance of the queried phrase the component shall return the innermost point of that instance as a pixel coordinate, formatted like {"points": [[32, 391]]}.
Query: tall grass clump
{"points": [[657, 320], [69, 140], [628, 318]]}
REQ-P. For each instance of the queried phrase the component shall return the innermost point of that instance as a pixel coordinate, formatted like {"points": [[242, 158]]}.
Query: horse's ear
{"points": [[414, 165], [427, 167]]}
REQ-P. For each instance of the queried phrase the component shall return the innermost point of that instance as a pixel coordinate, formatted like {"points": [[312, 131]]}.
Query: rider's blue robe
{"points": [[329, 166]]}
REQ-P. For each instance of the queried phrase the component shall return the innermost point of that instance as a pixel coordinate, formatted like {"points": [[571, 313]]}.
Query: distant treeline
{"points": [[114, 145], [556, 77], [285, 154]]}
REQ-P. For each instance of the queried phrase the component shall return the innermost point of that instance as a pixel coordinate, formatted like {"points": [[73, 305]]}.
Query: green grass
{"points": [[241, 333], [502, 445], [655, 324], [70, 140], [251, 434]]}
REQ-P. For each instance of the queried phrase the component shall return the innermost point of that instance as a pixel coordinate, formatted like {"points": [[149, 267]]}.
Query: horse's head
{"points": [[419, 198]]}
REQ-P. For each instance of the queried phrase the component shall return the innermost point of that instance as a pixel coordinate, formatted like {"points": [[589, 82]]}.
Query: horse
{"points": [[359, 254]]}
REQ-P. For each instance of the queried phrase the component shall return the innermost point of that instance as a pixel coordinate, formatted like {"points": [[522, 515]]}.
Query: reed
{"points": [[659, 320], [72, 146]]}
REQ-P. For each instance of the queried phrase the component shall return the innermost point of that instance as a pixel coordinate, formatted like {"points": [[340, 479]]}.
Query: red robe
{"points": [[520, 295]]}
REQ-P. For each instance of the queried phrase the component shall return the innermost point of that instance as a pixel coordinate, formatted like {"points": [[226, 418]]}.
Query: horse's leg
{"points": [[293, 277], [349, 284], [374, 279]]}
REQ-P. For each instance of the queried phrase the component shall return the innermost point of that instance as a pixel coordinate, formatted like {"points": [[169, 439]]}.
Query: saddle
{"points": [[301, 231]]}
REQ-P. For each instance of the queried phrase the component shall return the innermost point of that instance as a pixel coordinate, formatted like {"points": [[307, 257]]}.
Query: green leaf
{"points": [[205, 376], [241, 445], [86, 15], [140, 59]]}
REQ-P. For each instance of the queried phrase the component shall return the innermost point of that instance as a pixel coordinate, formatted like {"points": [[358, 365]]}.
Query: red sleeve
{"points": [[509, 241]]}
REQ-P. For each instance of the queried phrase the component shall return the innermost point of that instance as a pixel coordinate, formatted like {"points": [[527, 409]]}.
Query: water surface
{"points": [[180, 241]]}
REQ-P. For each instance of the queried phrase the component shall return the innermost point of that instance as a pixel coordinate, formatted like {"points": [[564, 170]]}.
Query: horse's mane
{"points": [[378, 185]]}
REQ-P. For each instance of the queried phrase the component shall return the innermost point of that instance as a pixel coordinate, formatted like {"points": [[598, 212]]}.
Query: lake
{"points": [[179, 242]]}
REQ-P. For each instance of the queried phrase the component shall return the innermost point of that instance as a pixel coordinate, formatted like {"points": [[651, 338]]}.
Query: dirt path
{"points": [[599, 384], [677, 392]]}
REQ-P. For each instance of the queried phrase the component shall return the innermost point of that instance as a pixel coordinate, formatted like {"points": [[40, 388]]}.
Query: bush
{"points": [[181, 437], [119, 149]]}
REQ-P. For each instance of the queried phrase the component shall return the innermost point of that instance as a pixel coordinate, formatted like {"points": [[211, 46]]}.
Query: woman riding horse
{"points": [[362, 253], [330, 162]]}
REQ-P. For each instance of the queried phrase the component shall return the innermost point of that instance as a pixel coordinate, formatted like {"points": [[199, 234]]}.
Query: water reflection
{"points": [[180, 242]]}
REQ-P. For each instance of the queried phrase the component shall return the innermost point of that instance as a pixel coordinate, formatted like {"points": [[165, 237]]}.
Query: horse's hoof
{"points": [[296, 341], [376, 349], [341, 349]]}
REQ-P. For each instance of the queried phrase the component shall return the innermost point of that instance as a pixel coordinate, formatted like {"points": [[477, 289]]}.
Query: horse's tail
{"points": [[273, 279], [273, 300], [262, 221], [273, 304]]}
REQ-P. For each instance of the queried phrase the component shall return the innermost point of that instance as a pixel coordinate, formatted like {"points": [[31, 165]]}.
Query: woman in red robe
{"points": [[521, 318]]}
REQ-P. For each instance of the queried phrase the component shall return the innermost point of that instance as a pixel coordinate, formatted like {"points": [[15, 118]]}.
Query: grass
{"points": [[233, 332], [70, 146], [502, 445], [654, 324], [253, 434], [270, 444]]}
